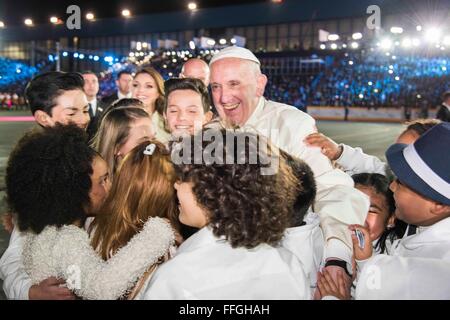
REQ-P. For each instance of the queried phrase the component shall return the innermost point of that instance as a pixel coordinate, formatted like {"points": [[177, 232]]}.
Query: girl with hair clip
{"points": [[148, 87], [49, 185], [122, 128], [242, 208], [142, 189]]}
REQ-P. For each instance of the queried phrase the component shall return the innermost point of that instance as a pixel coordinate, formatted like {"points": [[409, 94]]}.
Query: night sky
{"points": [[13, 12]]}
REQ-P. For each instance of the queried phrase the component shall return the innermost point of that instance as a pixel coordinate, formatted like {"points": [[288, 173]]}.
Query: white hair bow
{"points": [[150, 149]]}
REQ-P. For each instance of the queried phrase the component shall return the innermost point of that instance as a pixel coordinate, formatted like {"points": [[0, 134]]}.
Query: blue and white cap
{"points": [[424, 166]]}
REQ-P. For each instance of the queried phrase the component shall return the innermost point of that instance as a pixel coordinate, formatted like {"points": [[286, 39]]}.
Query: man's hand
{"points": [[337, 274], [361, 253], [50, 289], [330, 287], [328, 147], [7, 222]]}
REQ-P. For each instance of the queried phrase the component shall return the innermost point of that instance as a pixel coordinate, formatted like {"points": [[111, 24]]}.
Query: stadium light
{"points": [[223, 41], [233, 41], [433, 35], [126, 13], [192, 6], [419, 28], [210, 42], [396, 30], [375, 90], [144, 45], [54, 20], [357, 36], [350, 62], [361, 96], [386, 43], [192, 45], [354, 45], [90, 16], [2, 24], [28, 22], [397, 78], [322, 46], [370, 83], [333, 46], [333, 37], [446, 41], [344, 45], [406, 43]]}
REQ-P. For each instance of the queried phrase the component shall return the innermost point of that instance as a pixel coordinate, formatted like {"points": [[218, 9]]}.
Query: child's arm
{"points": [[92, 278], [352, 160]]}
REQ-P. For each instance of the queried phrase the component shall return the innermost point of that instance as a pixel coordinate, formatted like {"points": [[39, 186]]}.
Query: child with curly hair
{"points": [[48, 180], [242, 212]]}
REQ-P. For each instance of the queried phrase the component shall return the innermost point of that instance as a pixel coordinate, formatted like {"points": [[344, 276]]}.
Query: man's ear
{"points": [[43, 119], [440, 210], [261, 84]]}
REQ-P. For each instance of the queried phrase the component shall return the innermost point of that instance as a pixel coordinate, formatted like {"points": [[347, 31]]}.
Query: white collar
{"points": [[123, 96], [254, 117], [434, 233]]}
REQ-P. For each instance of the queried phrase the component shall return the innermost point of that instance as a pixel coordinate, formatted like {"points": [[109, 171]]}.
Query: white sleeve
{"points": [[338, 203], [354, 160], [92, 278], [404, 278], [16, 282]]}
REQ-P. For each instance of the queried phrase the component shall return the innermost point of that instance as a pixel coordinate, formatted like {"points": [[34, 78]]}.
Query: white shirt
{"points": [[123, 96], [93, 105], [307, 244], [337, 202], [418, 267], [354, 160], [206, 267]]}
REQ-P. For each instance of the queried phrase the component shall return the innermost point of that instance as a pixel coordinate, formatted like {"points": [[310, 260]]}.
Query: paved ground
{"points": [[374, 138]]}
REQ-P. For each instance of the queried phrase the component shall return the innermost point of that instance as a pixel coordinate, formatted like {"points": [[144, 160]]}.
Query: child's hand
{"points": [[328, 147], [366, 251], [7, 222], [328, 287]]}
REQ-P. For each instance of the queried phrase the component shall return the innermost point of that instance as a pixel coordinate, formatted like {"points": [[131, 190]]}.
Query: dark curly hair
{"points": [[48, 177], [243, 204]]}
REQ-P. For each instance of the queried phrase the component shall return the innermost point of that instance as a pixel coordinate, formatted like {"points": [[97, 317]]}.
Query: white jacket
{"points": [[16, 282], [418, 267], [307, 244], [337, 202], [66, 253], [206, 267], [354, 160]]}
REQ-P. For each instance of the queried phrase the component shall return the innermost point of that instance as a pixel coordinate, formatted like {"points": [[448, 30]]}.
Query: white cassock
{"points": [[338, 204], [418, 267]]}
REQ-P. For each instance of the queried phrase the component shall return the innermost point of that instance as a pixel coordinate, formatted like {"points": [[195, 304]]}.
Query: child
{"points": [[384, 228], [418, 266], [143, 188], [354, 160], [58, 97], [48, 180], [243, 215], [304, 237], [187, 106], [122, 128]]}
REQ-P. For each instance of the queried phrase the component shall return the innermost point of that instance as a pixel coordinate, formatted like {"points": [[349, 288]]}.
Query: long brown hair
{"points": [[159, 103], [142, 188], [114, 131]]}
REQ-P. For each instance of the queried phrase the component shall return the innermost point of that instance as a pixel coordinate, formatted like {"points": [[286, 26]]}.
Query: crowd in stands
{"points": [[369, 79]]}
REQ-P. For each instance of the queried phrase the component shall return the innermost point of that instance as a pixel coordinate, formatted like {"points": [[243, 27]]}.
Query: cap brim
{"points": [[407, 176]]}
